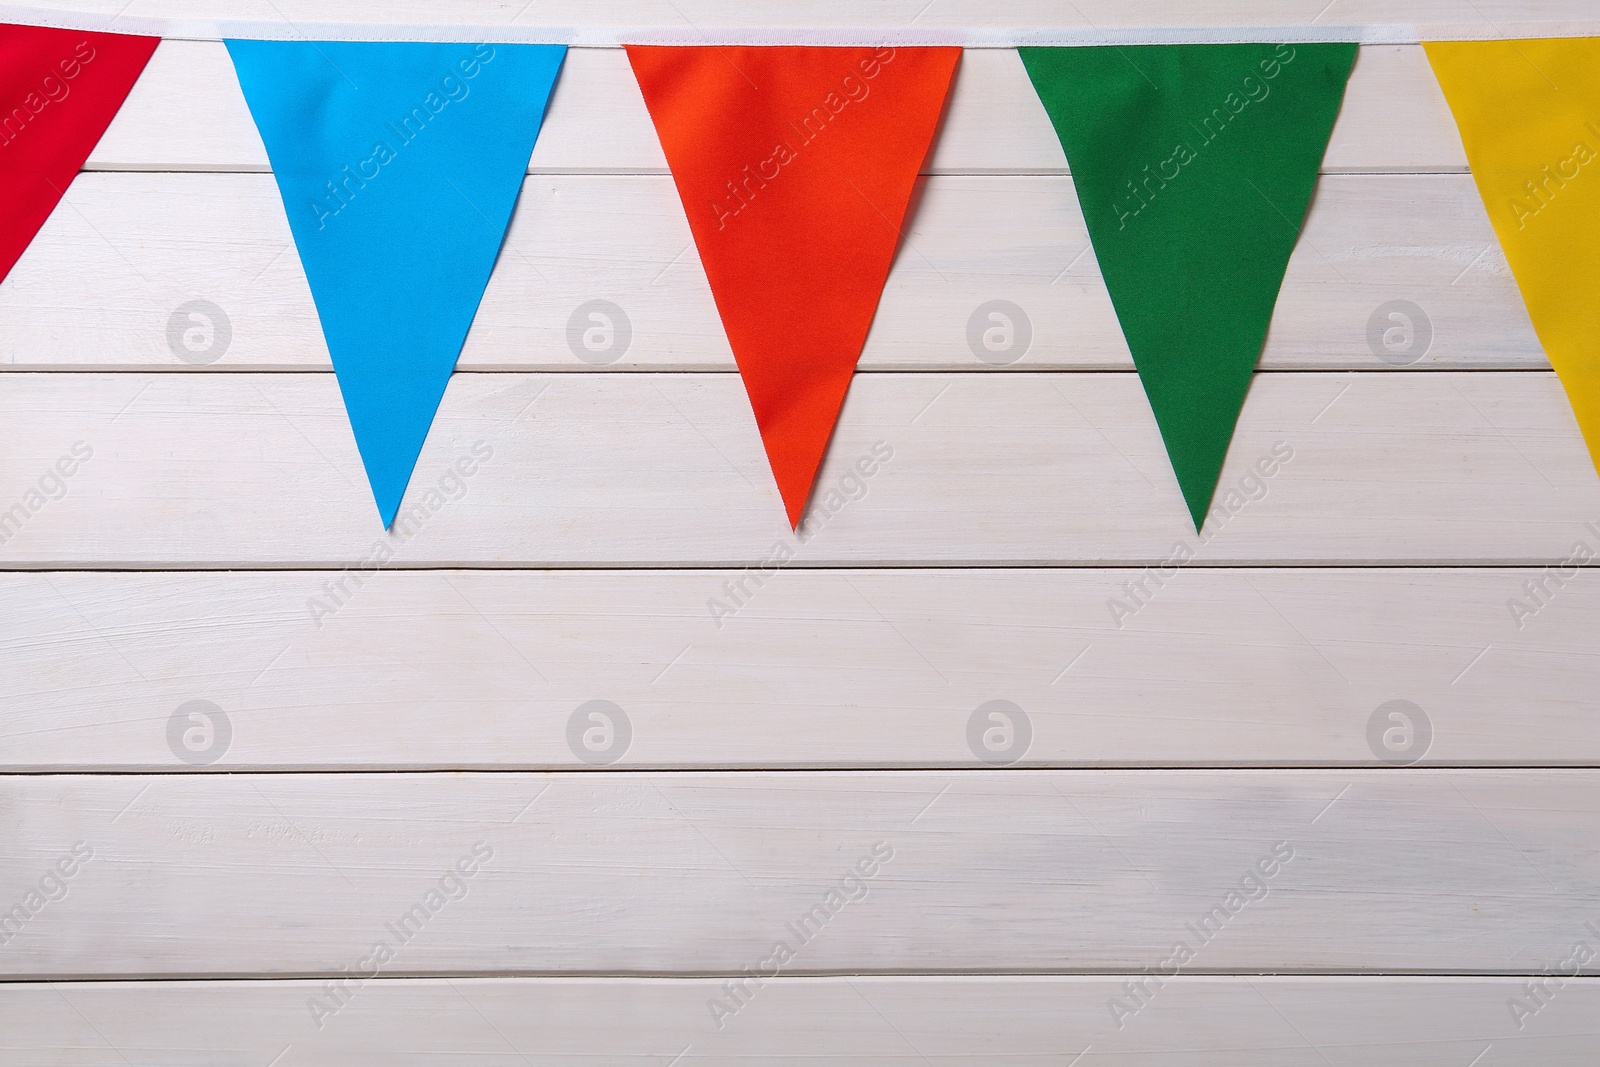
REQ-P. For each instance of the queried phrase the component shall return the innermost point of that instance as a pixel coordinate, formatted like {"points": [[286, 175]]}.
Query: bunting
{"points": [[1529, 115], [1194, 165], [59, 90], [398, 165], [795, 166]]}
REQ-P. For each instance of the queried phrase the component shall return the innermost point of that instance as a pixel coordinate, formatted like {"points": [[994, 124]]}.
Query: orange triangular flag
{"points": [[795, 166]]}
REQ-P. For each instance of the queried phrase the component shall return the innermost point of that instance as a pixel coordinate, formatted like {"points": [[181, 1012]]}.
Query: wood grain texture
{"points": [[638, 873], [796, 668], [830, 706], [667, 470], [1196, 1021], [100, 287], [187, 113]]}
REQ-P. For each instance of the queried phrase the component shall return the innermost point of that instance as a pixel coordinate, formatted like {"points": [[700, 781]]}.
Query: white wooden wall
{"points": [[369, 729]]}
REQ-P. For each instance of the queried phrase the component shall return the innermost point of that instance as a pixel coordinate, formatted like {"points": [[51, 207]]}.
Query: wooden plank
{"points": [[1394, 117], [187, 113], [1384, 871], [106, 284], [795, 668], [1194, 1021], [667, 470], [688, 854]]}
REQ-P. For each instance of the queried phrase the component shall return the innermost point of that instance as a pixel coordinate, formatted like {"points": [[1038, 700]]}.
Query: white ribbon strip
{"points": [[600, 36]]}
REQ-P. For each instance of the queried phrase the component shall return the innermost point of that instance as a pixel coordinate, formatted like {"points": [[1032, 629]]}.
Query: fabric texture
{"points": [[399, 165], [1194, 165], [59, 90], [1529, 115], [796, 166]]}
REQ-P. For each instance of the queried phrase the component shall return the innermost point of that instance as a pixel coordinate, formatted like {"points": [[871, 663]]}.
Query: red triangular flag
{"points": [[795, 166], [59, 89]]}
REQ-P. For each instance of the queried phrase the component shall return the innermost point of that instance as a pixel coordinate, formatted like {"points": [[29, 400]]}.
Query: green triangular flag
{"points": [[1194, 165]]}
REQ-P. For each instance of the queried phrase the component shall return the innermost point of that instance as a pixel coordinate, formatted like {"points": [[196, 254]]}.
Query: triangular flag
{"points": [[795, 166], [60, 90], [1194, 165], [398, 164], [1529, 115]]}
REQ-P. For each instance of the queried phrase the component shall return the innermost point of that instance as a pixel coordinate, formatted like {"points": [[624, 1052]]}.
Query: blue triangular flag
{"points": [[398, 164]]}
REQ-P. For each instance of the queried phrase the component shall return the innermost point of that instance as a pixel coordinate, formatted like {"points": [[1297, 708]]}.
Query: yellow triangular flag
{"points": [[1529, 115]]}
